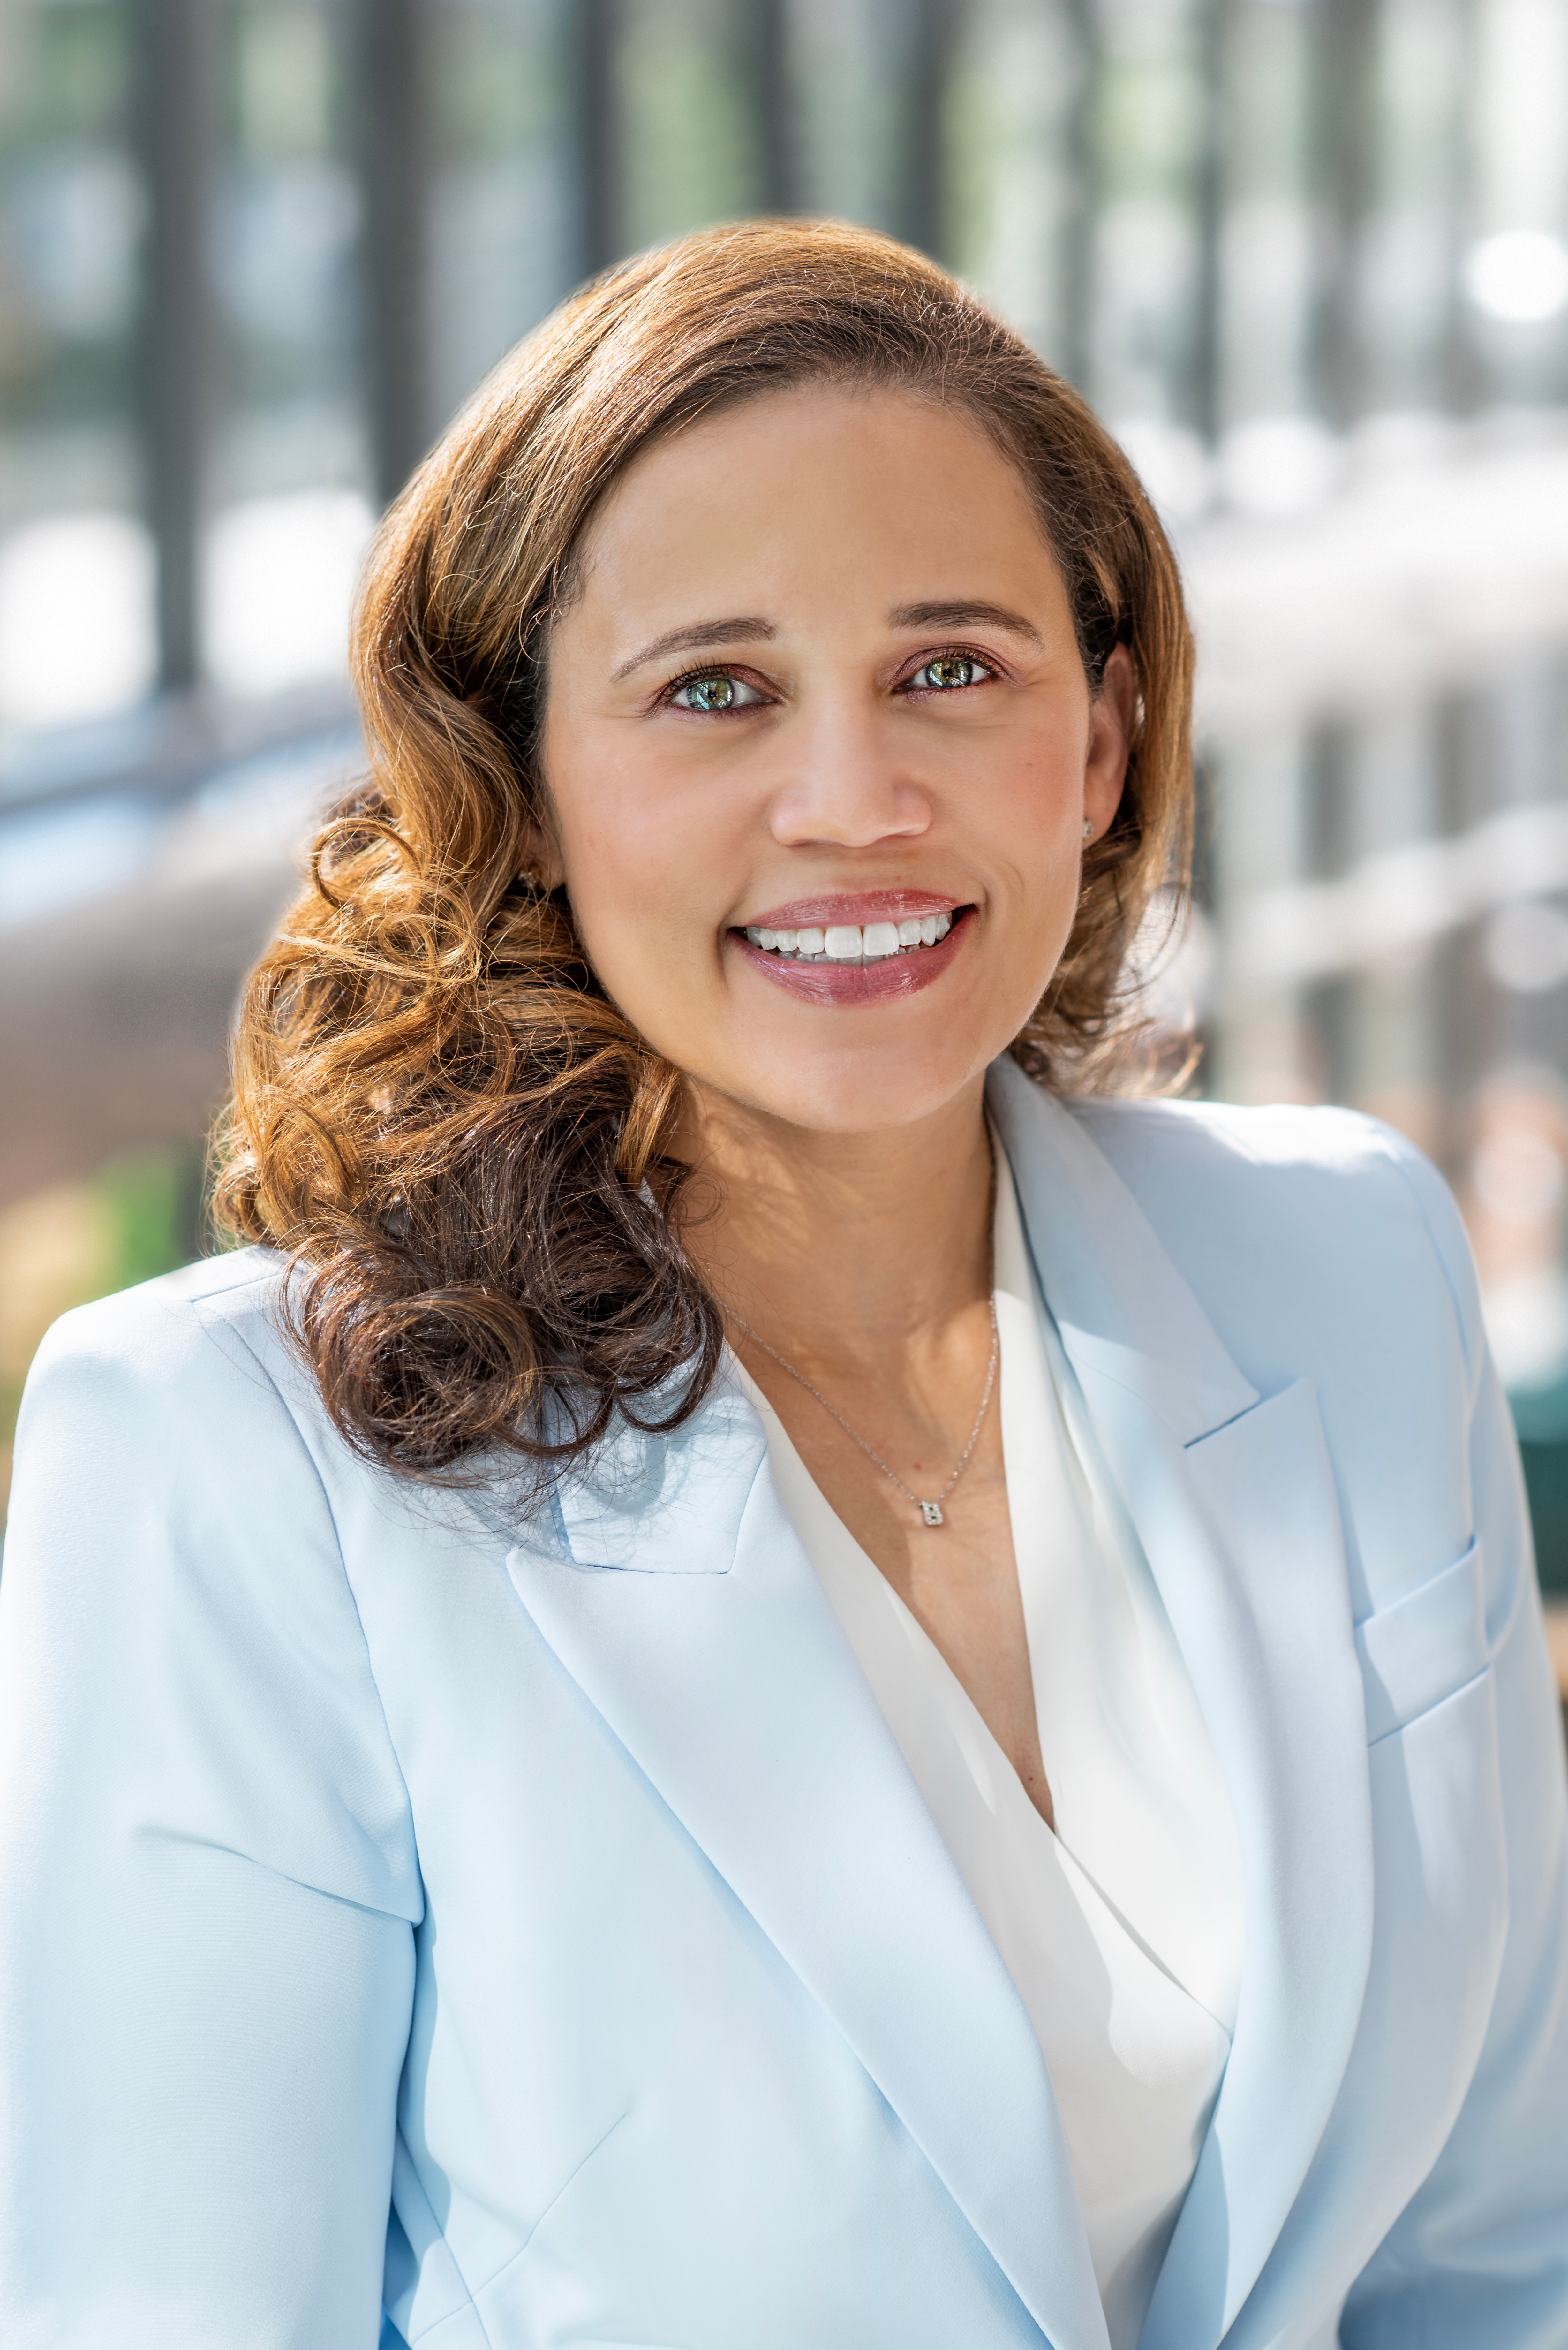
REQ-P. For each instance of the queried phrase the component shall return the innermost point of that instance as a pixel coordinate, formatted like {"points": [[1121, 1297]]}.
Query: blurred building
{"points": [[1308, 257]]}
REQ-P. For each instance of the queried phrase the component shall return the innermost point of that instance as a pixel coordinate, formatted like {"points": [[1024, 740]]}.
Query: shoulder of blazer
{"points": [[1340, 1145], [169, 1509], [175, 1335], [1214, 1177], [204, 1350], [199, 1364], [1322, 1247], [206, 1353]]}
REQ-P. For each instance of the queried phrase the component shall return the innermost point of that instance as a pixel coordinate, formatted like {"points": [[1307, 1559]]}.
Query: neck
{"points": [[842, 1250]]}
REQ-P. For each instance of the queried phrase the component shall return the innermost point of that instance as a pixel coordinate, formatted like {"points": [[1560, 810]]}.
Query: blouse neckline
{"points": [[1121, 1927]]}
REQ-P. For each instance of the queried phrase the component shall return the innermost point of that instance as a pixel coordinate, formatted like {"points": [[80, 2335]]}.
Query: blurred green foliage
{"points": [[141, 1215], [1540, 1416], [153, 1206]]}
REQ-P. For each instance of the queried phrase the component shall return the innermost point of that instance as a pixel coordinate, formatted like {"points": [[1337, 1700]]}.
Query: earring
{"points": [[1088, 829]]}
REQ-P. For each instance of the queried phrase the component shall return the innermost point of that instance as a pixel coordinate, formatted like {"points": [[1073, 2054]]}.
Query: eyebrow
{"points": [[698, 638], [955, 616]]}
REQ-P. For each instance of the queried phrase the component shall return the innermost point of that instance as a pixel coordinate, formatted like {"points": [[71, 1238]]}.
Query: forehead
{"points": [[814, 488]]}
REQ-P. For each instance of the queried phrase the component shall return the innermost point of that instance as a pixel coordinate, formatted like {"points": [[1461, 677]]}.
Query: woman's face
{"points": [[821, 685]]}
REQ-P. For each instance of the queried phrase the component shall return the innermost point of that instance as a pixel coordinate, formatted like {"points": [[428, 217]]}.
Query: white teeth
{"points": [[853, 941]]}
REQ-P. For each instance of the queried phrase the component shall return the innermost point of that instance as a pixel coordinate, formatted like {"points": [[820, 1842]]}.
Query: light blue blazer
{"points": [[534, 1922]]}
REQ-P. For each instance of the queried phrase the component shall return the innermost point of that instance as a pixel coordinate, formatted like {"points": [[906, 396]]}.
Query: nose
{"points": [[846, 786]]}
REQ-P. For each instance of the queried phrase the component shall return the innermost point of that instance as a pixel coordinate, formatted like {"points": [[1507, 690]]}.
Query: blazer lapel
{"points": [[690, 1615], [1232, 1499]]}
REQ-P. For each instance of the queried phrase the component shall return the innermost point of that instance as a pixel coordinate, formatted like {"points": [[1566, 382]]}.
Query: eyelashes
{"points": [[954, 658], [714, 691], [722, 692], [731, 690]]}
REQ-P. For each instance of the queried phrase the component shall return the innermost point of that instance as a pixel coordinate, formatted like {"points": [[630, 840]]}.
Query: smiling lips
{"points": [[845, 961]]}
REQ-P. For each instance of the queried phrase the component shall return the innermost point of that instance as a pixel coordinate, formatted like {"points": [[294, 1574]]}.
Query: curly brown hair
{"points": [[462, 1146]]}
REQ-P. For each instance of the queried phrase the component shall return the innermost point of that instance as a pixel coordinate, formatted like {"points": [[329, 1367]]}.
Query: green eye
{"points": [[707, 693], [949, 670]]}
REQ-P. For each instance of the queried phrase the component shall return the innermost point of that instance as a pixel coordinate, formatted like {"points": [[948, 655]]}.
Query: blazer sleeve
{"points": [[1478, 2258], [207, 1880]]}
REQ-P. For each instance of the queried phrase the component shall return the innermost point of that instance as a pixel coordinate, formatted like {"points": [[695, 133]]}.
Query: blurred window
{"points": [[72, 217], [288, 490]]}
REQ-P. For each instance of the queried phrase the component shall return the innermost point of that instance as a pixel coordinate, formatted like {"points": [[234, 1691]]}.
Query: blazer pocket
{"points": [[1419, 1649]]}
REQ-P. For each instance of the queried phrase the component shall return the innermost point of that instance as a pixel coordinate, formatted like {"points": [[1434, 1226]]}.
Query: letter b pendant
{"points": [[932, 1513]]}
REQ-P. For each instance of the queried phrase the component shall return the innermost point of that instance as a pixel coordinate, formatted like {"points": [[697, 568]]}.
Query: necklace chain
{"points": [[930, 1512]]}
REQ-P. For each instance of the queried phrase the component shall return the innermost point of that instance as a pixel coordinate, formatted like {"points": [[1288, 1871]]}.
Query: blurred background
{"points": [[1309, 258]]}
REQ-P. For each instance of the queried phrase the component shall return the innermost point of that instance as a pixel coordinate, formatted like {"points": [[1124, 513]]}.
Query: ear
{"points": [[1111, 718], [538, 856]]}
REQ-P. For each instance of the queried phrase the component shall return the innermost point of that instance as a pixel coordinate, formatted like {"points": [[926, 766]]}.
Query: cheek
{"points": [[623, 837], [1039, 817], [649, 879], [1036, 861]]}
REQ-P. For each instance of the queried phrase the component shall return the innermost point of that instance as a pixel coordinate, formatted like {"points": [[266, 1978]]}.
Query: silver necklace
{"points": [[930, 1512]]}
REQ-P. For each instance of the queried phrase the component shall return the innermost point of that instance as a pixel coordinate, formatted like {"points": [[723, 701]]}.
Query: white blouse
{"points": [[1122, 1929]]}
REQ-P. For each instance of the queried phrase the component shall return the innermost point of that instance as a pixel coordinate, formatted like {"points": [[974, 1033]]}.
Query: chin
{"points": [[857, 1093]]}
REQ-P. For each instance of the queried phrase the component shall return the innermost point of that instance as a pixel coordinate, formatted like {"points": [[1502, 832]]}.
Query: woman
{"points": [[772, 1676]]}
